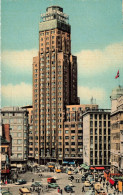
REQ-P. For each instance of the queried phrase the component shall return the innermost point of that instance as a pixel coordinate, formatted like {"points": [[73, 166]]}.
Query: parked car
{"points": [[37, 184], [53, 185], [87, 184], [68, 188], [5, 192], [20, 182], [71, 177]]}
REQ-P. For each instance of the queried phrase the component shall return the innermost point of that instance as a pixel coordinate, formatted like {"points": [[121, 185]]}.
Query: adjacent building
{"points": [[17, 118], [5, 152], [117, 130], [73, 132], [29, 109], [54, 84], [96, 138]]}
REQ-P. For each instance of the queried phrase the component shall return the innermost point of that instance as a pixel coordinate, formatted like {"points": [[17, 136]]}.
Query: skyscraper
{"points": [[54, 83]]}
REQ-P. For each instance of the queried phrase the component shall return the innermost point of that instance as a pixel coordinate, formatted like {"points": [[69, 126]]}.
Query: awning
{"points": [[65, 162], [92, 168], [71, 163], [111, 181], [99, 168]]}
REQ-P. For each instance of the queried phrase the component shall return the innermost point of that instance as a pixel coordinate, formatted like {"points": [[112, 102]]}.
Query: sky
{"points": [[96, 38]]}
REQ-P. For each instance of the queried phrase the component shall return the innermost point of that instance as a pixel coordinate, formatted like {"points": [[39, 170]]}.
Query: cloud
{"points": [[19, 94], [86, 93], [21, 60], [95, 61]]}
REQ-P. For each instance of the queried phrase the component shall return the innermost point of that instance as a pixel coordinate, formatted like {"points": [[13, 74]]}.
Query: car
{"points": [[20, 182], [24, 191], [37, 184], [69, 172], [58, 170], [5, 192], [83, 179], [71, 177], [87, 184], [53, 185], [68, 188], [51, 180]]}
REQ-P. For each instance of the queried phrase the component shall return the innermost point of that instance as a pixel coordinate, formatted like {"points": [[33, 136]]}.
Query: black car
{"points": [[68, 188], [71, 177], [83, 179], [20, 182]]}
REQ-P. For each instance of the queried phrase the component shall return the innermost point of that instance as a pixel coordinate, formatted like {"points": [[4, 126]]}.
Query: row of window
{"points": [[100, 116], [73, 125], [100, 123]]}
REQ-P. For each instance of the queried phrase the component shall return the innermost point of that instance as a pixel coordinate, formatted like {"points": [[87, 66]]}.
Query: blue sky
{"points": [[97, 40]]}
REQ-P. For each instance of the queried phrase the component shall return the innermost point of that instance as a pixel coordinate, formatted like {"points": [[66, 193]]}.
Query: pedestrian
{"points": [[83, 189], [78, 179], [103, 184], [61, 191], [58, 190], [107, 188]]}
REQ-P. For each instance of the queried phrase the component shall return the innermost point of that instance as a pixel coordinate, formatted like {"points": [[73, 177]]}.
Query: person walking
{"points": [[83, 189], [61, 191]]}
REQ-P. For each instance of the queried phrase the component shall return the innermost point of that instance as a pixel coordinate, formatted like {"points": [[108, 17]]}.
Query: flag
{"points": [[118, 74]]}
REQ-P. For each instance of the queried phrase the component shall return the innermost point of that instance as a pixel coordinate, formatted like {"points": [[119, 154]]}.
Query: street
{"points": [[62, 181]]}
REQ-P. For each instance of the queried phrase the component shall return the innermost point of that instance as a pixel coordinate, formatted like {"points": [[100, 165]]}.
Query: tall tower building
{"points": [[54, 83]]}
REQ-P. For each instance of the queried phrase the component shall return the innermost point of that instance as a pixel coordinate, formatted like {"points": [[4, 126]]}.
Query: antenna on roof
{"points": [[92, 100]]}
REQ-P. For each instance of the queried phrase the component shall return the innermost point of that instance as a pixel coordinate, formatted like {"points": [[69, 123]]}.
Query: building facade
{"points": [[17, 118], [73, 132], [117, 130], [31, 132], [54, 84], [96, 138], [5, 152]]}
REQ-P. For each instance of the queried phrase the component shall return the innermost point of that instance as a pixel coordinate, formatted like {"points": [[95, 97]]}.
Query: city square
{"points": [[62, 181]]}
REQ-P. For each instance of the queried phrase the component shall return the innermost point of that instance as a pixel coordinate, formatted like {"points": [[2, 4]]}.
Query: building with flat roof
{"points": [[29, 108], [54, 84], [17, 118], [117, 130], [96, 138], [73, 132], [5, 152]]}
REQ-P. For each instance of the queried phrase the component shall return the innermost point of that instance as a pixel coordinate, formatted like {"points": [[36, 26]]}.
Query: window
{"points": [[66, 131], [72, 131], [73, 125], [19, 134], [19, 148], [73, 143], [19, 141]]}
